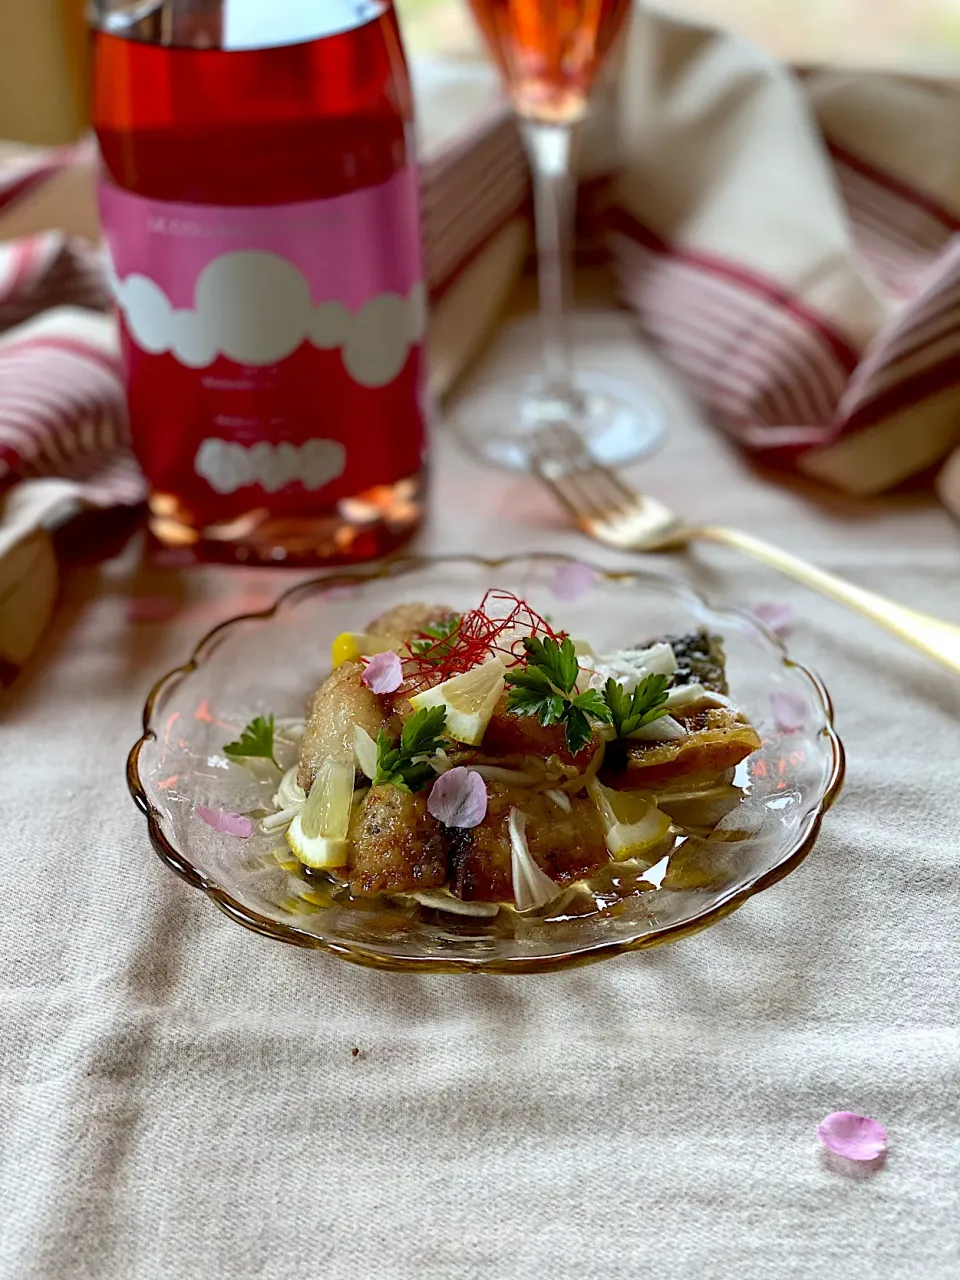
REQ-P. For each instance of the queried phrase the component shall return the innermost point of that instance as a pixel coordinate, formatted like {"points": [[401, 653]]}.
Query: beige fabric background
{"points": [[178, 1098]]}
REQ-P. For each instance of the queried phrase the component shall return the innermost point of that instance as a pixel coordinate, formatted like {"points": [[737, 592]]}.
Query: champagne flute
{"points": [[549, 54]]}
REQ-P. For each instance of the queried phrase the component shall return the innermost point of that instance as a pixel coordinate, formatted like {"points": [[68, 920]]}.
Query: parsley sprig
{"points": [[629, 712], [256, 741], [546, 688], [442, 637], [407, 765]]}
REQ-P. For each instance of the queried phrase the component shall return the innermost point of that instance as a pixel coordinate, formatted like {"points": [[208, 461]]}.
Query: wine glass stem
{"points": [[548, 150]]}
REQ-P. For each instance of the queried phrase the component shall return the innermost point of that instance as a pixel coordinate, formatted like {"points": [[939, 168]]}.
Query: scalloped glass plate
{"points": [[271, 661]]}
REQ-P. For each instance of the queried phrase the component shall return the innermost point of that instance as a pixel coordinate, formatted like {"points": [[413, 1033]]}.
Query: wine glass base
{"points": [[617, 422]]}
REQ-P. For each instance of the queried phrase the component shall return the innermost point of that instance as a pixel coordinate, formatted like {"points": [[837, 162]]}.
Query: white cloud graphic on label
{"points": [[255, 308], [227, 466]]}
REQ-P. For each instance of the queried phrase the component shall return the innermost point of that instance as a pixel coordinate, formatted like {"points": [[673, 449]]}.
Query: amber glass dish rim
{"points": [[361, 955]]}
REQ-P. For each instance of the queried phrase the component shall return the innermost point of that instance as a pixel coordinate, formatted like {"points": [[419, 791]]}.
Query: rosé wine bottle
{"points": [[260, 210]]}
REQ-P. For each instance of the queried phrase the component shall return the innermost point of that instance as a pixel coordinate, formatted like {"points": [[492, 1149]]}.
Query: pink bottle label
{"points": [[273, 346]]}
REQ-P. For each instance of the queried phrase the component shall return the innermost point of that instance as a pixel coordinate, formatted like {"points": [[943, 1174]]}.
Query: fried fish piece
{"points": [[567, 846], [404, 621], [509, 735], [717, 739], [341, 702], [397, 845]]}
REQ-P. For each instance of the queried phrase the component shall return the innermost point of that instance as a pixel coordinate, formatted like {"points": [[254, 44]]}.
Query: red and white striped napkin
{"points": [[790, 239], [61, 394]]}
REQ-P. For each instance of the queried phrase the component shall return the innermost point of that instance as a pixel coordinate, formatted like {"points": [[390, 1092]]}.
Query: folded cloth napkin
{"points": [[788, 238]]}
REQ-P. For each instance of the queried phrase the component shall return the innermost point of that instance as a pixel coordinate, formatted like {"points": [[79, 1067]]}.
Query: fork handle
{"points": [[937, 639]]}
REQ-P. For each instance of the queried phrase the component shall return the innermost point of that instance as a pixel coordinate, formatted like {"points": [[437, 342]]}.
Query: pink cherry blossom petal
{"points": [[777, 614], [571, 581], [231, 824], [383, 673], [789, 711], [852, 1136], [459, 798]]}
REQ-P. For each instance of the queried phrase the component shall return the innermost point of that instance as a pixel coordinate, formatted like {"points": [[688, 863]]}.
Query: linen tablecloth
{"points": [[180, 1098]]}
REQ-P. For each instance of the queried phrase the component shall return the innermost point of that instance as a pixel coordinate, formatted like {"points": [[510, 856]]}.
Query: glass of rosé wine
{"points": [[550, 54]]}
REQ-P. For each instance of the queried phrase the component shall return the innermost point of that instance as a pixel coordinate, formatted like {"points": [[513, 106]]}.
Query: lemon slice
{"points": [[322, 852], [349, 645], [469, 701], [318, 835], [633, 825]]}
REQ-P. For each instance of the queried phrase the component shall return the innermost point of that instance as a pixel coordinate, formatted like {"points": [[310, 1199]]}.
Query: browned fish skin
{"points": [[480, 856], [398, 847], [718, 738], [509, 734], [567, 846], [700, 659], [341, 702]]}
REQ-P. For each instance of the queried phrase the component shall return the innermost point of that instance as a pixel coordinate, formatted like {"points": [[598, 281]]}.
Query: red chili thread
{"points": [[478, 637]]}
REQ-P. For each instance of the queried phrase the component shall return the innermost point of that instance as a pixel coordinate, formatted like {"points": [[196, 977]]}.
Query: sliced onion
{"points": [[275, 821], [290, 794], [290, 728], [561, 799], [359, 795], [532, 887], [685, 694], [703, 808], [511, 777], [365, 750], [666, 729], [659, 658], [456, 906]]}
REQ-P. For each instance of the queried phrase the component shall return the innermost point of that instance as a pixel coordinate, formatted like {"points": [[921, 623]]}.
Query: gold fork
{"points": [[606, 509]]}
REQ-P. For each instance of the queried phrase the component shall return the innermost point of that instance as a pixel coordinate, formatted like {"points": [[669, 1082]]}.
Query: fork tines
{"points": [[588, 490]]}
